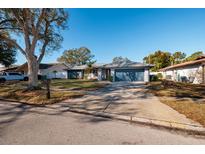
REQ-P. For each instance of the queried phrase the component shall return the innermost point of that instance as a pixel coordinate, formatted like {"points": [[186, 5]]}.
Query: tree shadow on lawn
{"points": [[179, 91], [180, 94]]}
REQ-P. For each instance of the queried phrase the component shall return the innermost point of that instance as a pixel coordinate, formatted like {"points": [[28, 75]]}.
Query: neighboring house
{"points": [[11, 68], [124, 71], [192, 71], [52, 70]]}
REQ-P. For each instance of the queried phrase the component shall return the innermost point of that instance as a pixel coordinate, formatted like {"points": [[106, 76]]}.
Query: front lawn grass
{"points": [[188, 99], [16, 91], [77, 84]]}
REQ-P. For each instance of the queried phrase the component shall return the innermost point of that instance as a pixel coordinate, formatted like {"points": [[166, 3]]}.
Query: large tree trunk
{"points": [[33, 68]]}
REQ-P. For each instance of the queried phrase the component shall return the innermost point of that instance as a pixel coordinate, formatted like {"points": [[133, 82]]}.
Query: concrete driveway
{"points": [[128, 98]]}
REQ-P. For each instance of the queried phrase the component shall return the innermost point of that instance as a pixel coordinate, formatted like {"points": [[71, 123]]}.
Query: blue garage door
{"points": [[129, 75]]}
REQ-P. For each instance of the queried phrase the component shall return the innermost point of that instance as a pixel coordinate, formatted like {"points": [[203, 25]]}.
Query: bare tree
{"points": [[38, 29]]}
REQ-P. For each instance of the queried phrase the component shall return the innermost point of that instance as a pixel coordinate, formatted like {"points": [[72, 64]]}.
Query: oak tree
{"points": [[7, 53], [80, 56], [160, 59], [34, 32]]}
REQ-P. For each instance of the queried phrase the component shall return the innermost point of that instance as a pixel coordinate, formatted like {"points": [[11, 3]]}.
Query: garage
{"points": [[130, 75]]}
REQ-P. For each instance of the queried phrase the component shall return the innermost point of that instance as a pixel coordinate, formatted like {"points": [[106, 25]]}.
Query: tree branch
{"points": [[36, 29], [10, 28], [5, 21], [26, 29], [16, 13], [43, 50], [13, 43], [45, 43]]}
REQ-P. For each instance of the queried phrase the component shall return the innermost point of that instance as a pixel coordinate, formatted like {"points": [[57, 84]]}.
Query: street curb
{"points": [[187, 128]]}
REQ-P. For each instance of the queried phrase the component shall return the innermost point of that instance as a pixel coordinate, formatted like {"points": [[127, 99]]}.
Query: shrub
{"points": [[159, 75], [110, 78], [85, 76], [154, 78]]}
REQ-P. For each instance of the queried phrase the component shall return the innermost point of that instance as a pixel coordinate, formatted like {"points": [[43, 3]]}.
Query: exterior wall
{"points": [[59, 75], [169, 73], [92, 76], [146, 75], [103, 76], [155, 73], [112, 72], [51, 75], [192, 73], [99, 74]]}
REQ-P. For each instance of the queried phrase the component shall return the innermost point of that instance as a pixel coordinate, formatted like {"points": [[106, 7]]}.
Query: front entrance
{"points": [[75, 74]]}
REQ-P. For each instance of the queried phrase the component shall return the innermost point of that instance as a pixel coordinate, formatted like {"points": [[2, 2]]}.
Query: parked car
{"points": [[9, 76]]}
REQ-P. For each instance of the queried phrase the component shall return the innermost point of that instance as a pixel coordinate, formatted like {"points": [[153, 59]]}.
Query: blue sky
{"points": [[132, 33]]}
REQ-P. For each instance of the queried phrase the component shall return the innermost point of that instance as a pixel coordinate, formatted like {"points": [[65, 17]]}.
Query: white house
{"points": [[51, 70], [55, 71], [192, 71], [123, 71]]}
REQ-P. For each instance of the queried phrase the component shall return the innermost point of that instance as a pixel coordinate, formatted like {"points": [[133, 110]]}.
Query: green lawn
{"points": [[77, 84], [16, 91], [188, 99]]}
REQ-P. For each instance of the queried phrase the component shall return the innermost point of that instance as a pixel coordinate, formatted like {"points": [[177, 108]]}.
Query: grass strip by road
{"points": [[187, 99]]}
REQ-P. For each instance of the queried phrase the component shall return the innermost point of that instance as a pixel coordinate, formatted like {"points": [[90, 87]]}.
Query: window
{"points": [[15, 74], [2, 74]]}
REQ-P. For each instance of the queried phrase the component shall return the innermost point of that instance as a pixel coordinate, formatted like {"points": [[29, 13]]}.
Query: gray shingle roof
{"points": [[127, 64], [81, 67], [58, 67]]}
